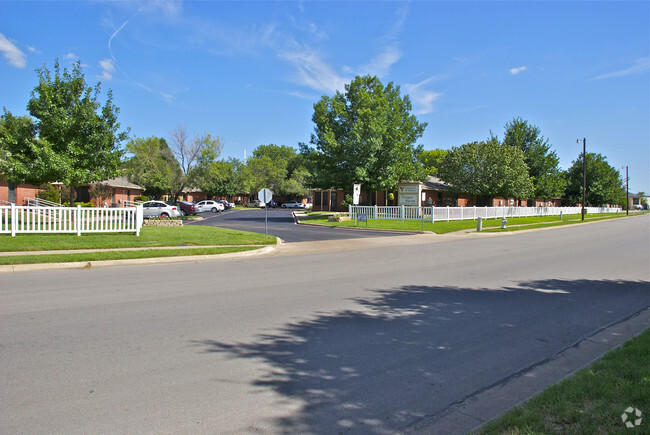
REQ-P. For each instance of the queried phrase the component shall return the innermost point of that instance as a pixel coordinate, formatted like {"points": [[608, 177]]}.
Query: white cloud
{"points": [[380, 64], [108, 68], [640, 65], [422, 99], [515, 71], [390, 52], [313, 72], [70, 56], [13, 54], [33, 49]]}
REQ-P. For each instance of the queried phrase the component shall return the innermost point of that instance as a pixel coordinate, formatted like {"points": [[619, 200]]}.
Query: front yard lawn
{"points": [[203, 238], [442, 227]]}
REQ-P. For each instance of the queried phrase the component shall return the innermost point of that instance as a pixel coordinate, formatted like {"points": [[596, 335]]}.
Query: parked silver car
{"points": [[210, 205], [159, 209]]}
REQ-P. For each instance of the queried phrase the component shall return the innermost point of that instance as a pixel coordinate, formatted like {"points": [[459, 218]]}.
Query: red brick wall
{"points": [[22, 191]]}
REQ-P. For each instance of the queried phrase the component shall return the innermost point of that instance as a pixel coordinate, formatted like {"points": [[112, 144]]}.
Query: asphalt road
{"points": [[280, 223], [373, 337]]}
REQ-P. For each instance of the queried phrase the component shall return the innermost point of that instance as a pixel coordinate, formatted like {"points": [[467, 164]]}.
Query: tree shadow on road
{"points": [[410, 352]]}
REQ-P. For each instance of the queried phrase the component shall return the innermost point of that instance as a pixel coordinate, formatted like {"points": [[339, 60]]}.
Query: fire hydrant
{"points": [[503, 223]]}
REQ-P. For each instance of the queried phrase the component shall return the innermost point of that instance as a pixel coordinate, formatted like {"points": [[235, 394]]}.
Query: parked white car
{"points": [[159, 209], [292, 204], [210, 205]]}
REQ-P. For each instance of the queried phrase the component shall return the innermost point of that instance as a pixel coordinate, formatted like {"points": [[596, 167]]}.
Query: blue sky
{"points": [[250, 72]]}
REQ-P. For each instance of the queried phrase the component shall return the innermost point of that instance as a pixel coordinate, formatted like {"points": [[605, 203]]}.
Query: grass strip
{"points": [[119, 255], [442, 227], [188, 235], [591, 402]]}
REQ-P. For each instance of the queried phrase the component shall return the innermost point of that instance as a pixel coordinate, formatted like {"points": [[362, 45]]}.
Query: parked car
{"points": [[256, 203], [271, 204], [292, 204], [226, 205], [210, 205], [159, 209], [187, 208]]}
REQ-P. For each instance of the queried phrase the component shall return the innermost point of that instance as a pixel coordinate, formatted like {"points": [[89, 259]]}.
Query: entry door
{"points": [[12, 192]]}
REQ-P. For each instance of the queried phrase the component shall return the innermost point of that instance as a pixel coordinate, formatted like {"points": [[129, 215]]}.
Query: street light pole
{"points": [[627, 191], [584, 175]]}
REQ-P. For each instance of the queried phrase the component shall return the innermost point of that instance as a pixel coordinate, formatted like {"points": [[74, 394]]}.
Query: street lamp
{"points": [[584, 175], [627, 192]]}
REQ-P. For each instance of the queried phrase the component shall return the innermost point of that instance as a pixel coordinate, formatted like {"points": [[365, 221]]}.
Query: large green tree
{"points": [[604, 183], [152, 165], [431, 159], [486, 169], [364, 135], [279, 168], [80, 136], [543, 163], [23, 157], [220, 178]]}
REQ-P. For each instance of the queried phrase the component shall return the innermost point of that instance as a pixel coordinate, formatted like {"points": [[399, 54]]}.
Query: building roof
{"points": [[123, 182], [435, 183]]}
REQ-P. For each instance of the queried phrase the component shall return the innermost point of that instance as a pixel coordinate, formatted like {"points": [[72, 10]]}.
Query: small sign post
{"points": [[265, 196]]}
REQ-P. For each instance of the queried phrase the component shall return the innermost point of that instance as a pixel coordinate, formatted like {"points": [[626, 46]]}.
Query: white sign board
{"points": [[408, 199], [265, 195], [356, 194]]}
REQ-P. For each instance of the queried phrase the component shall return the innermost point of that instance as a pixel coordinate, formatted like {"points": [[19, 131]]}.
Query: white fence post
{"points": [[447, 213], [433, 219], [14, 219], [402, 213], [78, 220], [376, 215]]}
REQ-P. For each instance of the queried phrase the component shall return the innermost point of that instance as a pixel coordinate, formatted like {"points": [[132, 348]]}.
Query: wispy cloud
{"points": [[312, 71], [13, 54], [640, 66], [516, 71], [422, 98], [390, 52], [33, 49], [108, 68]]}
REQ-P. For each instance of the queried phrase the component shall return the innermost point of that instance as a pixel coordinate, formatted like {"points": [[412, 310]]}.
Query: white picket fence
{"points": [[16, 219], [432, 214]]}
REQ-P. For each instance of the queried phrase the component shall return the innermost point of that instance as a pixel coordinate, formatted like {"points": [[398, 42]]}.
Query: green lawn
{"points": [[592, 401], [442, 227], [150, 237]]}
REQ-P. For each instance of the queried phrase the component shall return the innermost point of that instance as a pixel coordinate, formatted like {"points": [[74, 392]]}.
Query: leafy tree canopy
{"points": [[82, 134], [152, 166], [486, 169], [431, 159], [23, 157], [71, 138], [604, 183], [365, 135], [543, 163]]}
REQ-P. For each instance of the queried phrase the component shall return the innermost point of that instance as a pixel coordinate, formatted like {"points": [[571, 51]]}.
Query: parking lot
{"points": [[281, 224]]}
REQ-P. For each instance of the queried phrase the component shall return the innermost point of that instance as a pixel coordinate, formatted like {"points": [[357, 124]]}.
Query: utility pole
{"points": [[627, 191], [584, 175]]}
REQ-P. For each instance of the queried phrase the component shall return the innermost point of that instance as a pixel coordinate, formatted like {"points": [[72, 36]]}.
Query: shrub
{"points": [[49, 193], [347, 202], [141, 198]]}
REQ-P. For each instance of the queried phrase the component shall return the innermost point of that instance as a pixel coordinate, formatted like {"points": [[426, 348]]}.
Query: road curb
{"points": [[136, 261]]}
